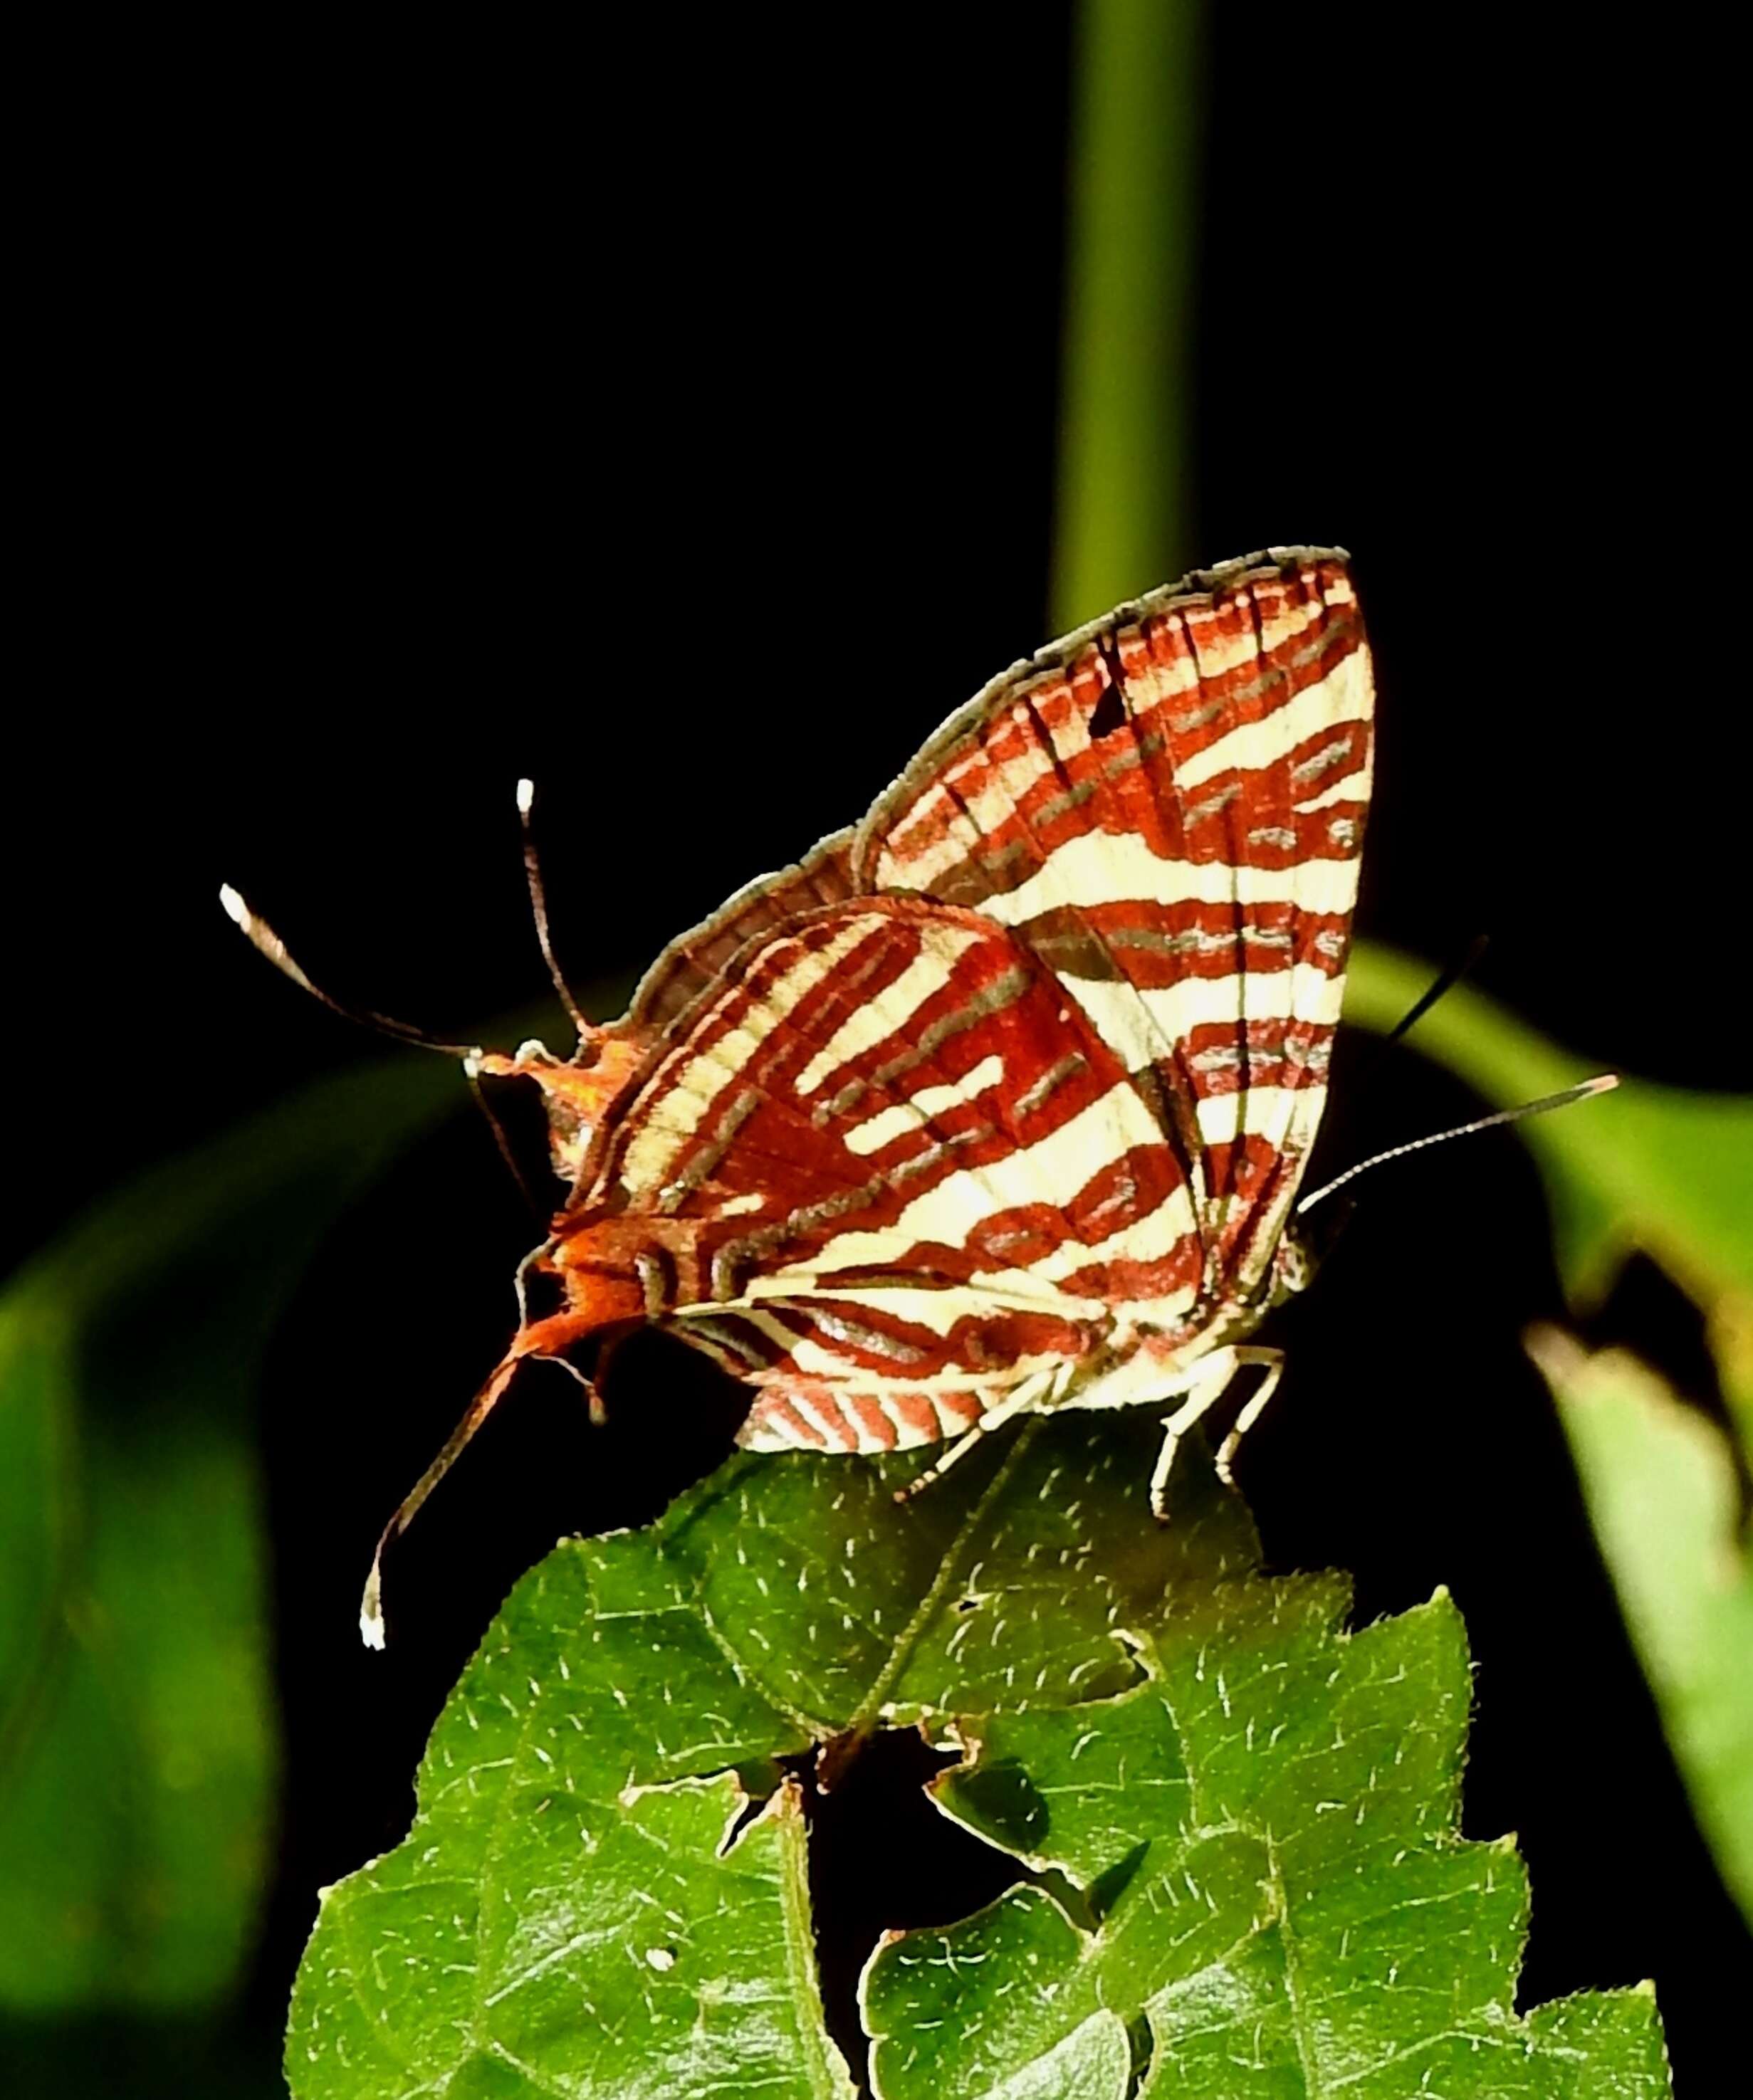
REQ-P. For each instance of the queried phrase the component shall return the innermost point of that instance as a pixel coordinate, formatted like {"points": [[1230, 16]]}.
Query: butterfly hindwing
{"points": [[883, 1170], [689, 963]]}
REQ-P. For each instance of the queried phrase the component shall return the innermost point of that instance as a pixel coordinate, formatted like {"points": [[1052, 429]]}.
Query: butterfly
{"points": [[998, 1101]]}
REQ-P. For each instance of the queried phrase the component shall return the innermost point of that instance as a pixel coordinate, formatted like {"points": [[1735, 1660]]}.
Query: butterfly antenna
{"points": [[1458, 967], [1604, 1084], [371, 1628], [502, 1143], [266, 942], [538, 903]]}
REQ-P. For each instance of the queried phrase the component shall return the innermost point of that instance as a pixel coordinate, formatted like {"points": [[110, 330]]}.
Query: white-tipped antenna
{"points": [[266, 942], [1604, 1084], [538, 904]]}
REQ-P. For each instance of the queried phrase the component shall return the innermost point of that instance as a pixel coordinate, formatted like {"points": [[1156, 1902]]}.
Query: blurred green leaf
{"points": [[1649, 1166], [1665, 1172], [1125, 471], [1662, 1488], [138, 1752], [1201, 1751]]}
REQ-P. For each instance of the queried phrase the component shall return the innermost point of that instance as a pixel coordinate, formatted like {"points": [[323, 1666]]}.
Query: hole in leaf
{"points": [[758, 1781], [1143, 2043], [881, 1857]]}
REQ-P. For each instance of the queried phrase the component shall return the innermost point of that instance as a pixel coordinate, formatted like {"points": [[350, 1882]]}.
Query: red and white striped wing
{"points": [[1167, 808], [884, 1170]]}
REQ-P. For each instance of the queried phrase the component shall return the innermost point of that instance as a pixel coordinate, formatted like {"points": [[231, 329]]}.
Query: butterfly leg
{"points": [[1272, 1363], [1028, 1394], [1206, 1382]]}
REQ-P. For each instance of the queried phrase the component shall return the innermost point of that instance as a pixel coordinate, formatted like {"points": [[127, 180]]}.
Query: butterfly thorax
{"points": [[627, 1267]]}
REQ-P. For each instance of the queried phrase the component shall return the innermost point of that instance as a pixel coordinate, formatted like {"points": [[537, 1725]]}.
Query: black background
{"points": [[675, 423]]}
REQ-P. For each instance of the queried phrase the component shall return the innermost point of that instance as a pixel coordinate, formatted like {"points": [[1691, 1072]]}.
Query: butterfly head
{"points": [[577, 1091]]}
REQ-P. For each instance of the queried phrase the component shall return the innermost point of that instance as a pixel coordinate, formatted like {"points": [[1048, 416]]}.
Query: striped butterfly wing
{"points": [[583, 1094], [884, 1171], [1167, 808], [689, 963]]}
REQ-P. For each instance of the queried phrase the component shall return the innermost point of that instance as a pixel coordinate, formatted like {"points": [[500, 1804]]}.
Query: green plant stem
{"points": [[1125, 435]]}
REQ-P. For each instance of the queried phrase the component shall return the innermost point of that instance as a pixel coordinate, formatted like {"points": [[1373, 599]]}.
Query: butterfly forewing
{"points": [[1168, 808]]}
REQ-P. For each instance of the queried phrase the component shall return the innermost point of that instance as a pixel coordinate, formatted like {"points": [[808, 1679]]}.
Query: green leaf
{"points": [[1252, 1861], [781, 1604], [137, 1756], [1661, 1490], [643, 1952], [568, 1915], [1663, 1172]]}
